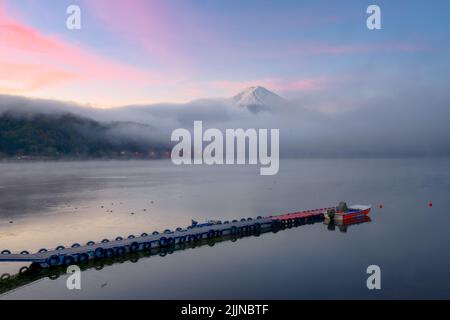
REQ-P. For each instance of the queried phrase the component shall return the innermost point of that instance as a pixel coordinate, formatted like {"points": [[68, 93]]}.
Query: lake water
{"points": [[48, 204]]}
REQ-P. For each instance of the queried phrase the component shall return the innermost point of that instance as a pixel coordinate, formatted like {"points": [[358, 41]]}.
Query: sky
{"points": [[143, 51]]}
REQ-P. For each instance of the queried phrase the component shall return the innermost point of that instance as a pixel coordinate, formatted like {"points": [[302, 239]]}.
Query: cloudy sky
{"points": [[143, 52]]}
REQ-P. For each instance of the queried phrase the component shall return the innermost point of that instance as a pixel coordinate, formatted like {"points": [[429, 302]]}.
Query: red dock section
{"points": [[302, 214]]}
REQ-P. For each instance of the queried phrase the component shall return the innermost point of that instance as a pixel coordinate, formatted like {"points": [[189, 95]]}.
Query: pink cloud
{"points": [[52, 61], [276, 84], [147, 24], [321, 48], [141, 21], [23, 77]]}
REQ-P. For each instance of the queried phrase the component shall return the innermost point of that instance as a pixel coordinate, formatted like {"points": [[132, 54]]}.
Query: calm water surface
{"points": [[48, 204]]}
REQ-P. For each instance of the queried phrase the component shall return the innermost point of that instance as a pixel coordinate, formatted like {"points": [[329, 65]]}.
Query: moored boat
{"points": [[344, 213]]}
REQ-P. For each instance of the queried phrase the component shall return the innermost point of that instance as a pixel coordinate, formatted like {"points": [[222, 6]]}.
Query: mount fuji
{"points": [[257, 99]]}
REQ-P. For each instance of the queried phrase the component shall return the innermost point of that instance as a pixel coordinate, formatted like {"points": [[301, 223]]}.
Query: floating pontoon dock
{"points": [[120, 246]]}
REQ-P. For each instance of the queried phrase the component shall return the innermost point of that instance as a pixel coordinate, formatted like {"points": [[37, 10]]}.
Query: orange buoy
{"points": [[430, 204], [381, 206]]}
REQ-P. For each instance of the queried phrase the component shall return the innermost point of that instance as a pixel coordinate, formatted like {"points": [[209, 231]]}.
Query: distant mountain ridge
{"points": [[68, 136]]}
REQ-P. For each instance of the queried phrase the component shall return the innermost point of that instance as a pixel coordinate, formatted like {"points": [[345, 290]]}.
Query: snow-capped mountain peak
{"points": [[257, 97]]}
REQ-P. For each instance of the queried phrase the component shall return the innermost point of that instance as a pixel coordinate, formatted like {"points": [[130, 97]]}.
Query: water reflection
{"points": [[344, 225], [32, 273], [25, 188]]}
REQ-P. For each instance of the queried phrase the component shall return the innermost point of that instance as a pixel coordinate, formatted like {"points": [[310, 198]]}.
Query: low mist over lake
{"points": [[410, 124]]}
